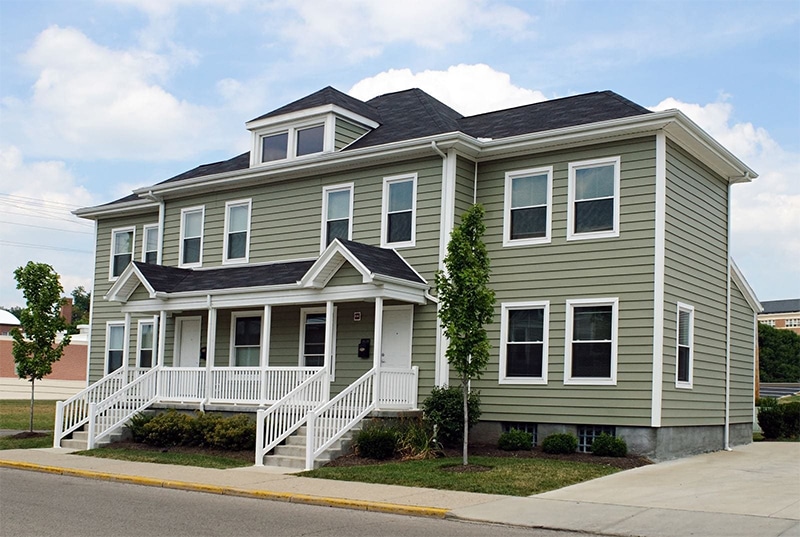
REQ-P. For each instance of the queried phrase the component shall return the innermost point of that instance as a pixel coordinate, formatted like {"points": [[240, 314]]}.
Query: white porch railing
{"points": [[74, 412], [289, 413], [182, 384], [255, 386], [333, 419], [398, 388], [116, 410]]}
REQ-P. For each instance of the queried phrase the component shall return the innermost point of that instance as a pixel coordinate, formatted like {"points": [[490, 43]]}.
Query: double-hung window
{"points": [[115, 345], [121, 251], [147, 344], [593, 210], [337, 214], [591, 341], [191, 254], [523, 350], [237, 231], [150, 244], [528, 202], [398, 221], [246, 339], [685, 347]]}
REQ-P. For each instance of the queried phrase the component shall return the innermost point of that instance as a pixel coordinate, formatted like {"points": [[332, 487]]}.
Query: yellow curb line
{"points": [[382, 507]]}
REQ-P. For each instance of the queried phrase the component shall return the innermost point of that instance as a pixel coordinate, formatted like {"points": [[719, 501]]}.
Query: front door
{"points": [[396, 352], [187, 342]]}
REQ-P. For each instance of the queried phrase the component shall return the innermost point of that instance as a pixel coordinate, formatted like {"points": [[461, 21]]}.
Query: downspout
{"points": [[727, 446], [475, 185]]}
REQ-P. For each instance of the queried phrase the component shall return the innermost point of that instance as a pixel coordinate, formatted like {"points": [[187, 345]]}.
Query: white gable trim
{"points": [[331, 260], [741, 283], [126, 284]]}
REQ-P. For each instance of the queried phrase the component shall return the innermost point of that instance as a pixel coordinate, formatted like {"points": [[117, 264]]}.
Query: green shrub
{"points": [[606, 445], [415, 440], [376, 442], [791, 419], [169, 428], [560, 443], [444, 410], [202, 430], [136, 426], [780, 421], [236, 433], [515, 440]]}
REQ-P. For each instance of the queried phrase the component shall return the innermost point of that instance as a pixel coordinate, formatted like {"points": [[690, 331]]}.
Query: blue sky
{"points": [[100, 97]]}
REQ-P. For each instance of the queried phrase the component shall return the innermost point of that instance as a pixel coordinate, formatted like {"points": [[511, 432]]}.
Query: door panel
{"points": [[397, 322], [188, 344]]}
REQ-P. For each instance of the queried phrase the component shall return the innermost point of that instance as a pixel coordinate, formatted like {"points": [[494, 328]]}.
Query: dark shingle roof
{"points": [[382, 261], [177, 280], [781, 306], [239, 162], [327, 95]]}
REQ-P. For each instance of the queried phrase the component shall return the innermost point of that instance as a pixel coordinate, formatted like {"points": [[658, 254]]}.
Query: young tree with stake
{"points": [[466, 303]]}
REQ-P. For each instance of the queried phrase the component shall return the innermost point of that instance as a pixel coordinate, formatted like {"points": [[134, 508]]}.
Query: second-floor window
{"points": [[121, 250], [237, 231], [150, 244], [192, 237], [337, 213], [527, 207], [399, 210], [593, 210]]}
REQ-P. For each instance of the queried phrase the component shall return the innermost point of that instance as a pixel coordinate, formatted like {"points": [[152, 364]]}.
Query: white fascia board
{"points": [[124, 287], [335, 253], [291, 117], [738, 278], [128, 207], [398, 281]]}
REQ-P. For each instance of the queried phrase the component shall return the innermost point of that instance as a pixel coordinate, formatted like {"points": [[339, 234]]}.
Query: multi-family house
{"points": [[297, 278]]}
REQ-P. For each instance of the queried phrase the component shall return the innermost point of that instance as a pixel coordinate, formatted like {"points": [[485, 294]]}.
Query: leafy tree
{"points": [[81, 301], [778, 354], [466, 304], [34, 346]]}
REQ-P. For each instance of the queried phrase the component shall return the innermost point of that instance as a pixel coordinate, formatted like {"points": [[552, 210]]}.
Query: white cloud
{"points": [[469, 89], [36, 225], [90, 101], [765, 213], [363, 28]]}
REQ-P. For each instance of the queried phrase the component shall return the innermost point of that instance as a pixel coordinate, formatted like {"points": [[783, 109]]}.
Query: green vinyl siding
{"points": [[346, 133], [621, 268], [743, 336], [465, 186], [347, 275], [696, 265]]}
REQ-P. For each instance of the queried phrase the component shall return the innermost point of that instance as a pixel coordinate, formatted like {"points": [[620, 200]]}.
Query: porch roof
{"points": [[378, 266]]}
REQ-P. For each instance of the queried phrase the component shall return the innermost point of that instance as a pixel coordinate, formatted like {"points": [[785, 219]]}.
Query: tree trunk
{"points": [[465, 394], [33, 380]]}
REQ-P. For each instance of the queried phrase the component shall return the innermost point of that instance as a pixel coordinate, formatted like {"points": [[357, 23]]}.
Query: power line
{"points": [[45, 227], [40, 201], [55, 248], [61, 218]]}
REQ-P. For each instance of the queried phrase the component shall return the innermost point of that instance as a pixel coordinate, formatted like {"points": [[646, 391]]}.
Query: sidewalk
{"points": [[753, 490]]}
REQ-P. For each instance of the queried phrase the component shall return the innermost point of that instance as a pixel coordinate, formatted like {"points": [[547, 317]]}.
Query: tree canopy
{"points": [[778, 354]]}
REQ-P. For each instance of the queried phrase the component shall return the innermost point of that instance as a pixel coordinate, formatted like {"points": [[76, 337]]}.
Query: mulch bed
{"points": [[28, 434], [488, 450]]}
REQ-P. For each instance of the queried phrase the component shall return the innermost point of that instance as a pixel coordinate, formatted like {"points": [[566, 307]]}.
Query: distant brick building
{"points": [[783, 314], [71, 366]]}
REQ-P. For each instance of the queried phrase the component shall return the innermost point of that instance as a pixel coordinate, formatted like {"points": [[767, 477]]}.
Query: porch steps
{"points": [[80, 439], [292, 454]]}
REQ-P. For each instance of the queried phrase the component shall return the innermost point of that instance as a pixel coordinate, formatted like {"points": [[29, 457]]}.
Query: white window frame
{"points": [[145, 229], [228, 205], [115, 324], [232, 352], [690, 310], [127, 229], [387, 182], [153, 349], [516, 174], [505, 307], [594, 163], [184, 212], [291, 142], [591, 381], [324, 229], [304, 312]]}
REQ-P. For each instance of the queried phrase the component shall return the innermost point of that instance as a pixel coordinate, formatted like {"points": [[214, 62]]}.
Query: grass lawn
{"points": [[508, 475], [6, 442], [16, 414], [167, 457]]}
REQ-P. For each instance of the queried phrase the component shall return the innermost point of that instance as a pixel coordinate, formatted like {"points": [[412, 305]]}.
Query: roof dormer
{"points": [[323, 122]]}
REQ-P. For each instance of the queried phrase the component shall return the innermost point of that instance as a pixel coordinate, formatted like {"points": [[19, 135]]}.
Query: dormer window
{"points": [[293, 142]]}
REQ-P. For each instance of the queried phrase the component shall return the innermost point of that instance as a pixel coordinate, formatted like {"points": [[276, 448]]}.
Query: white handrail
{"points": [[74, 412], [289, 413], [113, 412], [332, 420]]}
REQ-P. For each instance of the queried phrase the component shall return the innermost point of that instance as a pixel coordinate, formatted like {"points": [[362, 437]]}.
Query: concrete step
{"points": [[292, 454], [80, 439]]}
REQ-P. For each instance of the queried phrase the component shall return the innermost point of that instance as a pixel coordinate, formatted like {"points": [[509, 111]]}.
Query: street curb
{"points": [[362, 505]]}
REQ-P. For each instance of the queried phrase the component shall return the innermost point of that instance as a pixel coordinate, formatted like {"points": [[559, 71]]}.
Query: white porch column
{"points": [[211, 341], [162, 337], [377, 353], [266, 332], [126, 347], [329, 361]]}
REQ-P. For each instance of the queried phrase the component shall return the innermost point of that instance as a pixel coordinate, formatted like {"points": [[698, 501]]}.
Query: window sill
{"points": [[537, 381], [684, 385], [590, 381], [525, 242]]}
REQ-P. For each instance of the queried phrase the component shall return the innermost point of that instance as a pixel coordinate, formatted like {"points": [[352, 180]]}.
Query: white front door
{"points": [[396, 339], [187, 341]]}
